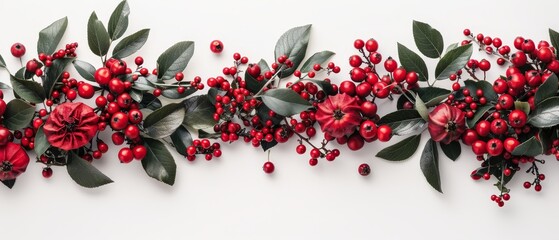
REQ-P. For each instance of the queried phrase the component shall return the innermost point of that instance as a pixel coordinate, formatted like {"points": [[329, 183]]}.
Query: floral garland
{"points": [[507, 123]]}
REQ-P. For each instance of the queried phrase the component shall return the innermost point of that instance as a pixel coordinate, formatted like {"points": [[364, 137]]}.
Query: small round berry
{"points": [[18, 50], [364, 169], [216, 46], [47, 172], [125, 155], [139, 60], [268, 167]]}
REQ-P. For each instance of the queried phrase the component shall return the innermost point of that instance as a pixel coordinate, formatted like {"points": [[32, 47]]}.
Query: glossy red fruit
{"points": [[364, 169], [384, 133], [363, 89], [545, 54], [355, 142], [125, 155], [216, 46], [85, 90], [118, 138], [499, 126], [268, 167], [494, 147], [132, 131], [4, 136], [139, 152], [117, 67], [369, 109], [355, 61], [469, 137], [446, 123], [253, 70], [17, 50], [381, 90], [510, 144], [506, 101], [357, 74], [119, 121], [103, 76], [116, 86], [479, 147], [517, 118], [47, 172], [135, 116], [483, 128], [371, 45], [2, 107], [390, 64], [517, 81], [368, 129]]}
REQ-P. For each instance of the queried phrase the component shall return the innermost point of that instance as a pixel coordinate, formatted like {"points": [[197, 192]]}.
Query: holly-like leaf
{"points": [[18, 114], [317, 58], [487, 88], [412, 62], [85, 174], [554, 37], [165, 120], [285, 102], [403, 122], [428, 40], [531, 147], [97, 36], [181, 139], [429, 163], [547, 89], [481, 110], [131, 44], [9, 183], [546, 113], [29, 90], [293, 44], [174, 60], [199, 112], [53, 73], [41, 142], [159, 162], [452, 150], [50, 37], [401, 150], [118, 23], [85, 69], [453, 61]]}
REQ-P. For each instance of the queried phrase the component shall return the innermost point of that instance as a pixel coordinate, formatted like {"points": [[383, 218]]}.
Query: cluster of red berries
{"points": [[205, 147], [35, 67]]}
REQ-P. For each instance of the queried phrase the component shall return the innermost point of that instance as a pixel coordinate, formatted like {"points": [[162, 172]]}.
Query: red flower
{"points": [[446, 123], [71, 125], [339, 115], [13, 161]]}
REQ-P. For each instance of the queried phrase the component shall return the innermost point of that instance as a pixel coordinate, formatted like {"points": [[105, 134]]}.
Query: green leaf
{"points": [[118, 23], [252, 84], [173, 94], [546, 113], [285, 102], [29, 90], [204, 134], [2, 62], [18, 114], [451, 150], [9, 183], [164, 121], [174, 60], [451, 46], [531, 147], [554, 37], [403, 122], [401, 150], [432, 96], [85, 69], [97, 36], [412, 62], [50, 37], [547, 89], [136, 95], [421, 108], [145, 83], [41, 143], [481, 110], [263, 65], [429, 164], [131, 44], [150, 102], [524, 106], [267, 145], [181, 139], [85, 174], [22, 73], [453, 61], [159, 162], [199, 112], [53, 73], [317, 58], [428, 40], [293, 44], [487, 88]]}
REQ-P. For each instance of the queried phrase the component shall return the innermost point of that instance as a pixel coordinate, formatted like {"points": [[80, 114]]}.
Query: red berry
{"points": [[85, 90], [364, 169], [47, 172], [139, 152], [139, 60], [384, 133], [18, 50], [103, 76], [119, 121], [517, 118], [358, 44], [371, 45], [268, 167], [216, 46], [125, 155]]}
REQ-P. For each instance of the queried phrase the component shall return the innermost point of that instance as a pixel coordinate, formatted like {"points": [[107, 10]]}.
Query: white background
{"points": [[232, 198]]}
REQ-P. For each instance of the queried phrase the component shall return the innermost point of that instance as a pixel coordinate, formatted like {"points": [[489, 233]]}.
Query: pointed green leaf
{"points": [[412, 62], [174, 60], [531, 147], [18, 114], [547, 89], [199, 112], [9, 183], [480, 111], [401, 150], [453, 61], [317, 58], [487, 88], [2, 62], [181, 139], [118, 23], [285, 102], [50, 37], [164, 121], [554, 37], [546, 113], [131, 44], [85, 174], [41, 143], [293, 44], [29, 90], [159, 162], [85, 69], [421, 108], [97, 36], [451, 150], [428, 40], [403, 122], [429, 163], [53, 73]]}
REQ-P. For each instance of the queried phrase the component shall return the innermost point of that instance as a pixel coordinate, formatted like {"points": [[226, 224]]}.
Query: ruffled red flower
{"points": [[446, 123], [71, 126], [13, 161], [338, 115]]}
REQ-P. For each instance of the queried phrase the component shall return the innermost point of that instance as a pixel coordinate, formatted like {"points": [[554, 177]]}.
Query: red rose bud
{"points": [[71, 126], [446, 123]]}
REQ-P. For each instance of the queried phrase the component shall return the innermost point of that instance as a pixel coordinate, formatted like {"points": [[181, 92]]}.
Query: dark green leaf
{"points": [[174, 60], [421, 108], [523, 106], [30, 91], [136, 95], [405, 97], [145, 83], [18, 114], [547, 89], [204, 134], [118, 23], [97, 36], [428, 40], [50, 37], [403, 122], [451, 150], [453, 61], [181, 139], [285, 102], [252, 84], [546, 136], [131, 44], [432, 96], [263, 66], [41, 143], [487, 88], [199, 112], [317, 58], [22, 73], [2, 62], [85, 174], [412, 62], [554, 37], [429, 163], [150, 102], [9, 183], [263, 112], [267, 145], [546, 113], [53, 73], [159, 162], [481, 110], [293, 44], [4, 86], [451, 46], [164, 121], [531, 147], [85, 69], [401, 150], [173, 94]]}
